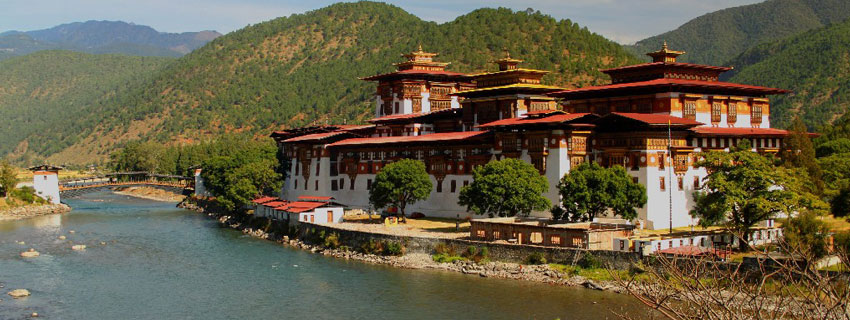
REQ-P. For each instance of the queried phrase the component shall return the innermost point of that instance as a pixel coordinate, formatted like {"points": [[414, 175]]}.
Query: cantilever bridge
{"points": [[116, 180]]}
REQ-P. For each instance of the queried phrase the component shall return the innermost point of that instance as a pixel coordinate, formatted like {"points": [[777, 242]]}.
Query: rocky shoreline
{"points": [[33, 211], [493, 269]]}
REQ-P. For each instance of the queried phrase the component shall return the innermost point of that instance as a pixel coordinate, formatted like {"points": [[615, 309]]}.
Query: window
{"points": [[732, 114], [351, 185], [440, 186], [334, 185], [756, 114], [317, 185], [681, 183], [578, 242], [481, 233], [622, 245], [296, 185], [454, 186], [662, 184], [696, 183], [465, 183], [555, 240], [318, 165], [396, 107], [635, 179], [536, 237], [662, 158], [497, 235], [715, 111], [368, 184], [690, 110], [341, 183]]}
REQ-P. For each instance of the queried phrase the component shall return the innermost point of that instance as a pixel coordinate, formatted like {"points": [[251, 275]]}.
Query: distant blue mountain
{"points": [[104, 37]]}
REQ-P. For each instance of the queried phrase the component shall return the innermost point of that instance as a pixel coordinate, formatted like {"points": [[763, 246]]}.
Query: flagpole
{"points": [[670, 172]]}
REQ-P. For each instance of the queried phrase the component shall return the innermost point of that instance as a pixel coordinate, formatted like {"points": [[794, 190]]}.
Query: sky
{"points": [[624, 21]]}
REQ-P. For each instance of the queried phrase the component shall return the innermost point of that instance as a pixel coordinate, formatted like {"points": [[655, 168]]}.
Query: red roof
{"points": [[672, 82], [417, 72], [654, 118], [740, 131], [543, 112], [672, 64], [262, 200], [315, 136], [315, 198], [553, 119], [410, 115], [273, 204], [300, 206], [434, 137]]}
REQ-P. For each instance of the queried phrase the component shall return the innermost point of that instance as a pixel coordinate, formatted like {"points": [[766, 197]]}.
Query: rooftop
{"points": [[434, 137], [554, 117], [668, 84]]}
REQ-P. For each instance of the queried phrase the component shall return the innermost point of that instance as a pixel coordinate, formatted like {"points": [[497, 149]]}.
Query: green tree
{"points": [[743, 188], [799, 152], [807, 235], [400, 184], [505, 188], [840, 204], [8, 178], [590, 190]]}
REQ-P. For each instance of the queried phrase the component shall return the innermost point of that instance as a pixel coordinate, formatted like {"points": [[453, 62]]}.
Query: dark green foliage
{"points": [[8, 178], [799, 152], [50, 98], [807, 234], [505, 188], [716, 37], [304, 69], [399, 184], [741, 190], [443, 248], [590, 190], [535, 258], [332, 241], [814, 65], [476, 254], [393, 248], [840, 145], [372, 247], [840, 204], [26, 194], [589, 261]]}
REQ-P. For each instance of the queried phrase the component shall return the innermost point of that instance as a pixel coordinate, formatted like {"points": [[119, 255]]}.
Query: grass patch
{"points": [[445, 258], [597, 274]]}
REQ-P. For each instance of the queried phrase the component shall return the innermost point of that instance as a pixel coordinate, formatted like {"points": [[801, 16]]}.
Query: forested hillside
{"points": [[815, 65], [304, 69], [104, 37], [48, 94], [717, 37]]}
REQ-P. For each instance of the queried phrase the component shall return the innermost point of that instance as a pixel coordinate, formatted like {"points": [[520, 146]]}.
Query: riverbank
{"points": [[150, 193], [32, 211], [541, 273]]}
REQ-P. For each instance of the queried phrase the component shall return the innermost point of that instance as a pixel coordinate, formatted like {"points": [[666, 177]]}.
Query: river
{"points": [[150, 260]]}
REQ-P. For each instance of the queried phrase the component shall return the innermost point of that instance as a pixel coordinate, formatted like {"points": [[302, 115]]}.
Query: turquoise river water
{"points": [[150, 260]]}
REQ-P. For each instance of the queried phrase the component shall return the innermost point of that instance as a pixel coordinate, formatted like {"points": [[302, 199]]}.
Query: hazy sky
{"points": [[624, 21]]}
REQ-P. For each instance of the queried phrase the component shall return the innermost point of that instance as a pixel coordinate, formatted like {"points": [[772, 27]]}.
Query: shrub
{"points": [[443, 248], [392, 248], [476, 254], [535, 258], [445, 258], [372, 247], [332, 241], [26, 194], [589, 261]]}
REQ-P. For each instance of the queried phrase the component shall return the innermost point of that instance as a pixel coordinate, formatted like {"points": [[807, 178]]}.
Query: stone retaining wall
{"points": [[498, 251]]}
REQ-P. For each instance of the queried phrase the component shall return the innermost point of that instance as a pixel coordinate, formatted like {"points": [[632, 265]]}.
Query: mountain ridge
{"points": [[102, 36]]}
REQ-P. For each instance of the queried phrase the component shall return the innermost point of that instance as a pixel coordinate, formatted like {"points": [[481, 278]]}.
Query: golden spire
{"points": [[507, 63], [665, 54]]}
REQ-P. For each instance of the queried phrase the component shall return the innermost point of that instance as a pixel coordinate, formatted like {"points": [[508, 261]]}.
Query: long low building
{"points": [[653, 119], [597, 235], [312, 209]]}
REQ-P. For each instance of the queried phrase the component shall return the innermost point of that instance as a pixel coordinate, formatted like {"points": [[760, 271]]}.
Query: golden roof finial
{"points": [[420, 47], [664, 46], [507, 53]]}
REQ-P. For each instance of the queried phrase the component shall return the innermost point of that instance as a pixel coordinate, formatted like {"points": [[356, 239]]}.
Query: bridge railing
{"points": [[126, 183]]}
